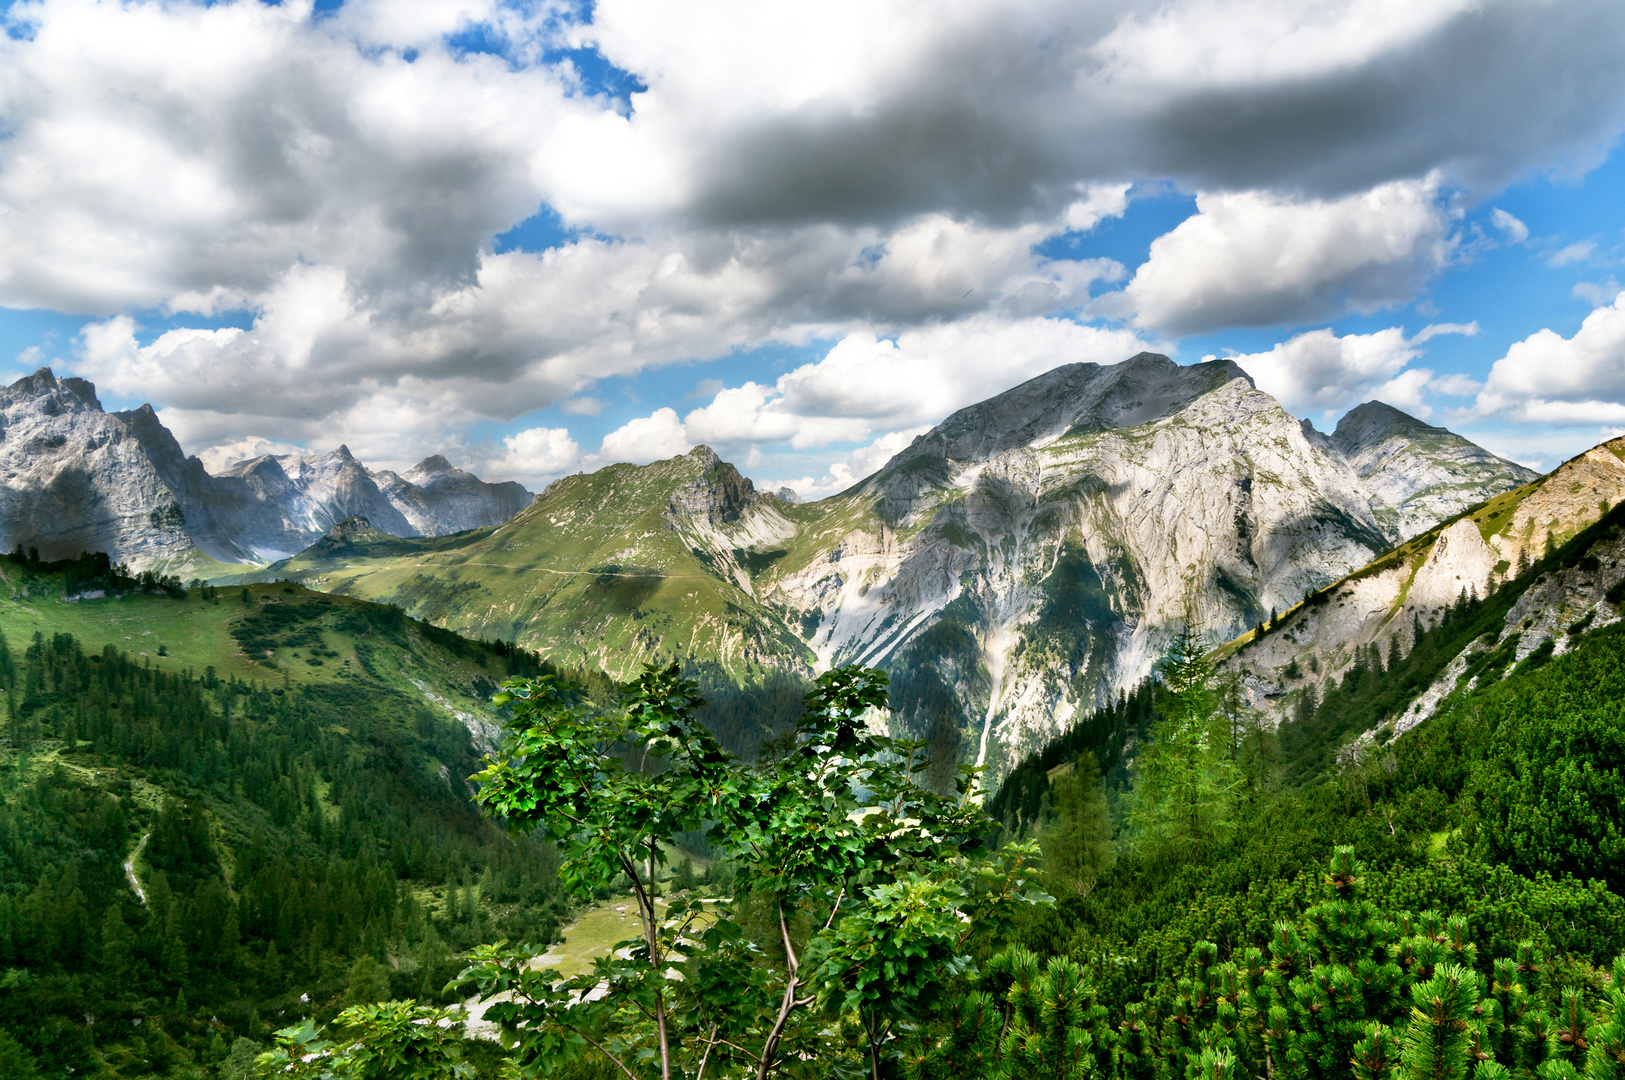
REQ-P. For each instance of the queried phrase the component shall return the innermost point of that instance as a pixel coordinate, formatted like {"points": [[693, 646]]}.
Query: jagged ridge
{"points": [[77, 478]]}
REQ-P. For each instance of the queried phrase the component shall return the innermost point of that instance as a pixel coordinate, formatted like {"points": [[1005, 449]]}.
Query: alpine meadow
{"points": [[885, 540]]}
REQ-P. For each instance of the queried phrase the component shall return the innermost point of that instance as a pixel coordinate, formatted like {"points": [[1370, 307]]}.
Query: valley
{"points": [[229, 806]]}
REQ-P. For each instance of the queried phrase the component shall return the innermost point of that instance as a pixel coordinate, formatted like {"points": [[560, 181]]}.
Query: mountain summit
{"points": [[1021, 562], [77, 478], [1417, 474]]}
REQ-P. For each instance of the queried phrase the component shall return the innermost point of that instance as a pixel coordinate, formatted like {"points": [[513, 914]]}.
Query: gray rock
{"points": [[1418, 475], [75, 478]]}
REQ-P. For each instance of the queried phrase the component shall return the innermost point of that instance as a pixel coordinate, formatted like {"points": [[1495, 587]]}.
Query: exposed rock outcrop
{"points": [[76, 478], [1415, 474]]}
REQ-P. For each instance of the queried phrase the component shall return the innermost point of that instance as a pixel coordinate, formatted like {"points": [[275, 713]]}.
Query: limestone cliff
{"points": [[76, 478]]}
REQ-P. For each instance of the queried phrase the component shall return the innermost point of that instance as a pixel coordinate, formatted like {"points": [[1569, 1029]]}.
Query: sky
{"points": [[544, 237]]}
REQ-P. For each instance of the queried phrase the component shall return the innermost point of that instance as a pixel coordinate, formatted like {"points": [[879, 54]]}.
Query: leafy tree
{"points": [[393, 1040], [855, 886]]}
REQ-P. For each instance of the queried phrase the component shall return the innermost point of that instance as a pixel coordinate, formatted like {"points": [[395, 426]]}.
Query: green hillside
{"points": [[221, 810], [607, 570]]}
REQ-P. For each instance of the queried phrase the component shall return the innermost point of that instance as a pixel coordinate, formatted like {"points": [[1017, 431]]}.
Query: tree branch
{"points": [[710, 1044], [784, 935], [598, 1046]]}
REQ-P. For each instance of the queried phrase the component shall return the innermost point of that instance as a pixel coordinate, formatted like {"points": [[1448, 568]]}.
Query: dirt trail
{"points": [[129, 867]]}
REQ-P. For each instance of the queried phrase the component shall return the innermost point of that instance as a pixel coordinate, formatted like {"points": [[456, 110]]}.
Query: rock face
{"points": [[1416, 474], [1381, 603], [76, 478], [1020, 563], [1032, 555]]}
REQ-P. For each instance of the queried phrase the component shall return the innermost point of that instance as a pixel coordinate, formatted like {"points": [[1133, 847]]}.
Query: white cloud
{"points": [[860, 463], [1579, 251], [1597, 294], [1576, 381], [649, 438], [1516, 231], [1427, 333], [219, 456], [534, 456], [1098, 202], [1318, 371], [1258, 259], [1321, 372]]}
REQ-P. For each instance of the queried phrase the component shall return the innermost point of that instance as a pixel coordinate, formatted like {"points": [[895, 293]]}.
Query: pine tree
{"points": [[1438, 1041], [1077, 837], [1184, 782]]}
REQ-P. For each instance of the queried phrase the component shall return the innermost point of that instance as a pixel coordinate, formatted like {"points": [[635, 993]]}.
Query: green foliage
{"points": [[855, 889], [1185, 781], [392, 1040], [1077, 837]]}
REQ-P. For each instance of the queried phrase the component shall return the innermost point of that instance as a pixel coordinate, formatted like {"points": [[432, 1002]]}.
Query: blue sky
{"points": [[541, 237]]}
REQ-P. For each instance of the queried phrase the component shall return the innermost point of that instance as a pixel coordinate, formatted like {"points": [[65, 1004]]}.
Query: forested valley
{"points": [[217, 877]]}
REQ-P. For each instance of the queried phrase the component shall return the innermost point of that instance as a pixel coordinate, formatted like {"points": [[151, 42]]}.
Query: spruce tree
{"points": [[1077, 837]]}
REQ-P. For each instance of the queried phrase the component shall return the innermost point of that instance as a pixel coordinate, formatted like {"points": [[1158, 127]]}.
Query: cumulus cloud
{"points": [[883, 167], [1574, 381], [649, 438], [218, 457], [534, 456], [1258, 259], [186, 156], [862, 462], [1003, 105], [1319, 371]]}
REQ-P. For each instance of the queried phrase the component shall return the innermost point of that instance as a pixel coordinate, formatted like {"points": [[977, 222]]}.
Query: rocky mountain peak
{"points": [[1415, 474], [717, 495], [1072, 399], [704, 456], [1373, 421], [78, 478], [52, 395], [434, 463], [353, 530]]}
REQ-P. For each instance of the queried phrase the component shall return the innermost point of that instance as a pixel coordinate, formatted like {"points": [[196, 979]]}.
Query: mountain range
{"points": [[1023, 562], [75, 478]]}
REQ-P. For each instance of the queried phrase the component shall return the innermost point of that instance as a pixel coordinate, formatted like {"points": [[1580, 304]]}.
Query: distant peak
{"points": [[1374, 421], [352, 528], [44, 382], [434, 463], [43, 379]]}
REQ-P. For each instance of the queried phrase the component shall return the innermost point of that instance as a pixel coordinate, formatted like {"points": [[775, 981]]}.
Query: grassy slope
{"points": [[197, 634], [591, 574]]}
